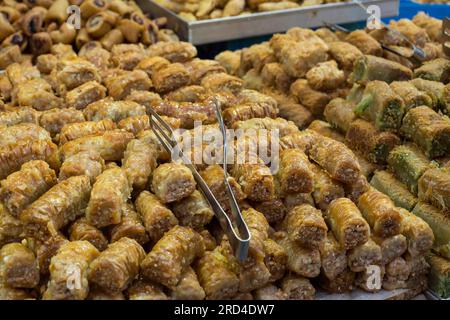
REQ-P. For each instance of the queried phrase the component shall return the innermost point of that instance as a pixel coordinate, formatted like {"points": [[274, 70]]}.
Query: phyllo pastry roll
{"points": [[109, 144], [87, 163], [326, 189], [69, 271], [437, 91], [439, 278], [54, 120], [381, 105], [354, 190], [23, 131], [77, 130], [110, 193], [131, 226], [156, 217], [23, 187], [8, 293], [325, 129], [344, 53], [439, 222], [296, 113], [11, 229], [380, 212], [325, 76], [385, 182], [190, 93], [434, 70], [304, 224], [368, 68], [36, 93], [18, 266], [333, 257], [364, 255], [172, 255], [275, 259], [249, 110], [365, 42], [297, 288], [419, 235], [173, 51], [115, 110], [302, 140], [46, 249], [72, 73], [193, 211], [408, 163], [283, 126], [217, 274], [85, 94], [56, 208], [274, 210], [188, 288], [136, 124], [172, 182], [339, 113], [412, 96], [343, 282], [116, 267], [14, 156], [314, 100], [302, 261], [170, 77], [429, 130], [259, 229], [391, 247], [397, 272], [434, 187], [121, 83], [347, 223], [142, 289], [336, 158], [219, 82], [20, 115], [294, 172], [82, 230]]}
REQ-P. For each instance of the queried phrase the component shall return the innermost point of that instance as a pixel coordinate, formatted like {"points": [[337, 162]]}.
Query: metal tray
{"points": [[257, 24]]}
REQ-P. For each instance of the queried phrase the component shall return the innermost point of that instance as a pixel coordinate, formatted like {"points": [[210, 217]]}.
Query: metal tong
{"points": [[417, 52], [240, 238]]}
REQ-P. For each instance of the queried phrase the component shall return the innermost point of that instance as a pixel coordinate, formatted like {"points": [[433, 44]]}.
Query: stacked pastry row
{"points": [[30, 28], [193, 10], [393, 116]]}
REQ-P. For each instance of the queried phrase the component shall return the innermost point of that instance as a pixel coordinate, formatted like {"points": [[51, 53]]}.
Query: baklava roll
{"points": [[365, 42], [385, 182], [427, 129], [326, 35], [18, 266], [173, 51], [43, 217], [172, 182], [139, 161], [20, 115], [233, 8], [326, 189], [11, 229], [333, 257], [381, 105], [437, 91], [345, 54], [347, 223], [315, 101], [380, 212], [87, 163], [116, 267], [124, 82], [325, 76], [135, 124], [302, 140], [246, 111], [253, 274], [13, 156], [343, 282], [292, 200], [274, 75], [339, 113], [189, 93], [294, 172], [110, 145], [419, 235], [188, 288], [77, 130], [217, 274], [434, 70], [354, 190], [222, 82], [397, 272], [283, 126], [130, 227], [85, 94], [127, 56], [172, 255], [156, 217], [259, 229], [325, 129], [100, 23], [411, 96], [336, 158], [230, 60], [368, 68], [54, 120], [36, 93], [408, 163], [113, 110], [23, 187], [439, 275], [72, 73], [8, 293], [193, 211], [434, 187], [110, 193], [142, 289], [297, 288], [364, 255], [374, 144], [9, 55], [275, 259], [21, 132], [391, 247], [304, 224], [81, 229], [269, 292], [46, 249], [69, 271], [274, 210], [255, 179], [302, 261]]}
